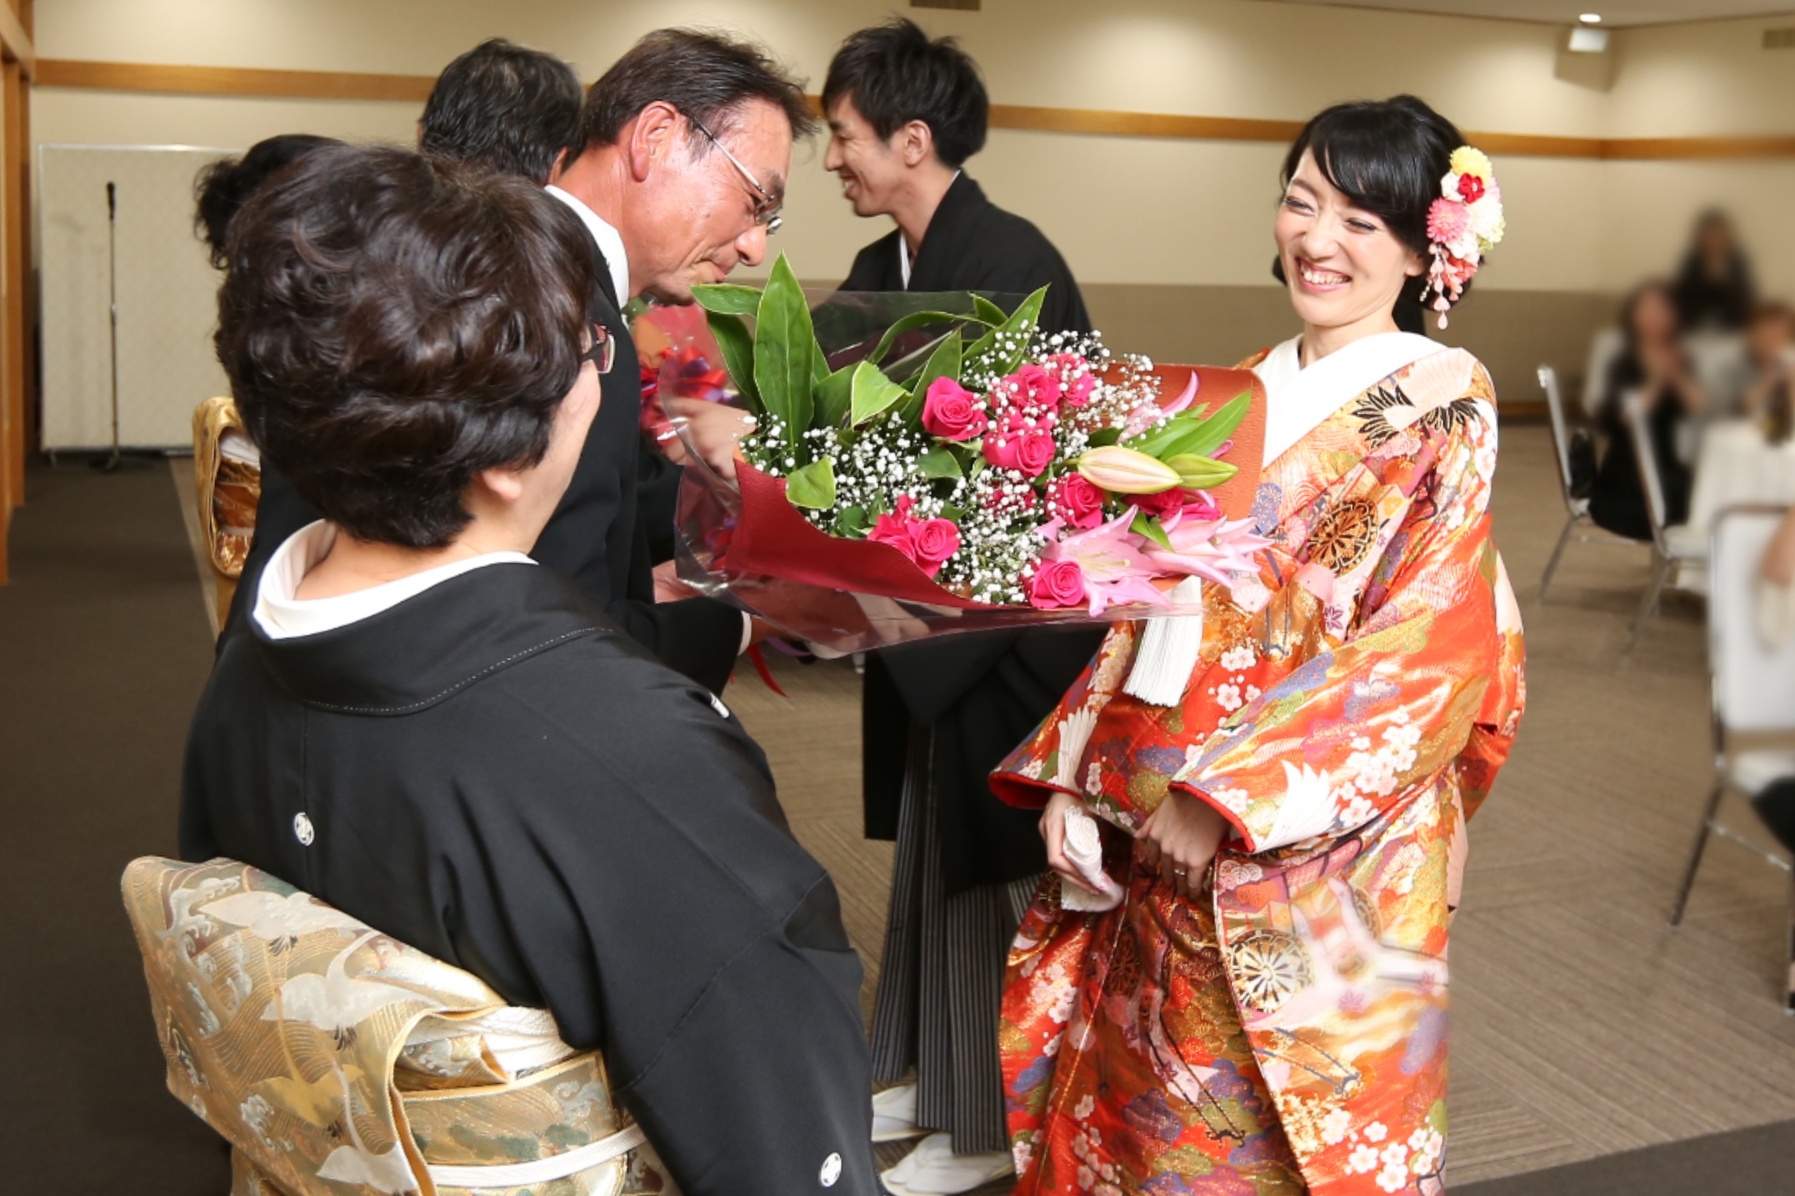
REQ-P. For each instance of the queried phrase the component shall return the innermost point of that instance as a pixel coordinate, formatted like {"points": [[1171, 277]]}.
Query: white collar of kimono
{"points": [[282, 616], [904, 245], [610, 241], [1298, 399]]}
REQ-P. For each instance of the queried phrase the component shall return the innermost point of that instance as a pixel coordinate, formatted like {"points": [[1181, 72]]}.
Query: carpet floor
{"points": [[103, 651]]}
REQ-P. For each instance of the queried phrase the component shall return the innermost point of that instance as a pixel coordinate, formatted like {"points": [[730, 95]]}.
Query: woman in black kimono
{"points": [[425, 729]]}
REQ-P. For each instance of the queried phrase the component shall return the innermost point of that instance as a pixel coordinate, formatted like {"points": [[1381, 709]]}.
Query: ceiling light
{"points": [[1591, 18]]}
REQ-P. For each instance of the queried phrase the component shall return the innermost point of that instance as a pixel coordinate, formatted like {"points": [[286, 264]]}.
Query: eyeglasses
{"points": [[766, 211], [602, 352]]}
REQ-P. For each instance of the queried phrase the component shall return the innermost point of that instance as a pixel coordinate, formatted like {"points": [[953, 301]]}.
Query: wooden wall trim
{"points": [[231, 81], [344, 85], [17, 41]]}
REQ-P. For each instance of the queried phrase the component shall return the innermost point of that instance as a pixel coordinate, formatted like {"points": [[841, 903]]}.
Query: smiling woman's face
{"points": [[1343, 266]]}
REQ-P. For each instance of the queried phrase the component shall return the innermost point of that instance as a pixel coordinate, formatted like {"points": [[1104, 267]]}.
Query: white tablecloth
{"points": [[1737, 465]]}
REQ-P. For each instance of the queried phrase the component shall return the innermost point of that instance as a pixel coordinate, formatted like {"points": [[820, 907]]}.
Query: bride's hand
{"points": [[1053, 830], [1179, 840]]}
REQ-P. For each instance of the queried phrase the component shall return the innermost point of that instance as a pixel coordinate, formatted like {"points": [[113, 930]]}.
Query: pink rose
{"points": [[933, 541], [1074, 500], [1162, 504], [1056, 583], [1022, 444], [1076, 382], [895, 529], [952, 412]]}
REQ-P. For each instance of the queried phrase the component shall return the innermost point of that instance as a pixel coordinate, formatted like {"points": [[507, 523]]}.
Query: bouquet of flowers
{"points": [[952, 468]]}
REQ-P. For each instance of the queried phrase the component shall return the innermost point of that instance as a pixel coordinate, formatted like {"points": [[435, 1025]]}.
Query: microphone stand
{"points": [[115, 461]]}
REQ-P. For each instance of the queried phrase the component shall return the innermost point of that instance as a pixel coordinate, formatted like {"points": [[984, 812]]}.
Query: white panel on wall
{"points": [[166, 296]]}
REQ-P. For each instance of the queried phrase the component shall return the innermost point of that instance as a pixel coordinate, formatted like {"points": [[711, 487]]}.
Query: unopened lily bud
{"points": [[1200, 473], [1124, 471]]}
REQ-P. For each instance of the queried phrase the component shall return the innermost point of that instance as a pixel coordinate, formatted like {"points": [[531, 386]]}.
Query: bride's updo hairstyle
{"points": [[1387, 157]]}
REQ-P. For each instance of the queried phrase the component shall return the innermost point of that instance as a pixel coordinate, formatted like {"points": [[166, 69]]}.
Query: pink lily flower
{"points": [[1215, 549], [1115, 571]]}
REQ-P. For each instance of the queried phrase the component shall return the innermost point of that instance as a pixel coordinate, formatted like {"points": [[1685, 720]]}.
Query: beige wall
{"points": [[1189, 215]]}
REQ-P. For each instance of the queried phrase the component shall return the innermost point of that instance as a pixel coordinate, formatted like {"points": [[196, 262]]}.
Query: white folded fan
{"points": [[1084, 851]]}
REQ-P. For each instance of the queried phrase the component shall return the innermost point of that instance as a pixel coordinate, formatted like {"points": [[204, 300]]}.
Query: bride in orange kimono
{"points": [[1264, 1010]]}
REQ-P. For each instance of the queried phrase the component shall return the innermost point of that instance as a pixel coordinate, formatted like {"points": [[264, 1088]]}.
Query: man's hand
{"points": [[713, 429], [667, 585], [1180, 840]]}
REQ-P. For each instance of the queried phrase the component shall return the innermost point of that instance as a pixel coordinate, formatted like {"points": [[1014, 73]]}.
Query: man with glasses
{"points": [[664, 211]]}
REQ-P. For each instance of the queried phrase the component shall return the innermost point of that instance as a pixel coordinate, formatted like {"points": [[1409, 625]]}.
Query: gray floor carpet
{"points": [[1754, 1162], [103, 652]]}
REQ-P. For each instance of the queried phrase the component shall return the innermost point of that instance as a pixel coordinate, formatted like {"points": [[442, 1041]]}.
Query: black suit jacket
{"points": [[980, 694], [598, 536]]}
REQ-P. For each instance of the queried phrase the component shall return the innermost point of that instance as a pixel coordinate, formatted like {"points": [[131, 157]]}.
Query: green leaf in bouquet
{"points": [[944, 362], [987, 312], [1209, 434], [872, 393], [833, 396], [1155, 442], [812, 485], [1147, 526], [727, 298], [984, 354], [785, 349], [940, 462], [1200, 473], [911, 322], [952, 513], [738, 354], [1104, 437], [852, 521]]}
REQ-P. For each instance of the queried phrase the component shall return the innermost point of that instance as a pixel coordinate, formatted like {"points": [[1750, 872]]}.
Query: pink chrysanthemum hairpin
{"points": [[1463, 224]]}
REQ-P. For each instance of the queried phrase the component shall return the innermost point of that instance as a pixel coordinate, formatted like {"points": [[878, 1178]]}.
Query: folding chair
{"points": [[1577, 525], [1753, 692], [1671, 546]]}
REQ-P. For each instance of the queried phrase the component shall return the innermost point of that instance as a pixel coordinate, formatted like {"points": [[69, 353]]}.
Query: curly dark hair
{"points": [[392, 324], [706, 76], [504, 107], [1387, 157], [225, 185], [894, 74]]}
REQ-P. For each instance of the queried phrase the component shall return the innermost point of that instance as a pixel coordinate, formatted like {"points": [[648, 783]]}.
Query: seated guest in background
{"points": [[424, 729], [227, 184], [1770, 345], [905, 113], [1714, 290], [1656, 367]]}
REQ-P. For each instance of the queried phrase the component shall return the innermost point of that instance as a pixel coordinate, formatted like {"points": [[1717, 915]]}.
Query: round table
{"points": [[1737, 465]]}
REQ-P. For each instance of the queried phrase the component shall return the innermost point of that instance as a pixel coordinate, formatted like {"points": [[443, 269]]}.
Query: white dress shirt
{"points": [[610, 242]]}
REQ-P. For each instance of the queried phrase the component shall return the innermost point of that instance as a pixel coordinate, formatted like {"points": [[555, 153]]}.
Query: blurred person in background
{"points": [[1770, 345], [1656, 366], [1714, 290], [505, 108]]}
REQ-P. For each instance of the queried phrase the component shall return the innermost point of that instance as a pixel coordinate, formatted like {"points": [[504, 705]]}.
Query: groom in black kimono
{"points": [[904, 115]]}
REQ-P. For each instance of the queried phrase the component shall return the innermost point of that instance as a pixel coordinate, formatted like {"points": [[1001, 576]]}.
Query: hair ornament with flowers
{"points": [[1463, 224]]}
